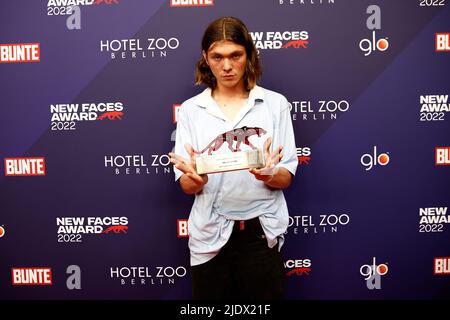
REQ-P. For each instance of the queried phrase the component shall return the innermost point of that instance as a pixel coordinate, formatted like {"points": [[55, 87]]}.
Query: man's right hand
{"points": [[190, 181]]}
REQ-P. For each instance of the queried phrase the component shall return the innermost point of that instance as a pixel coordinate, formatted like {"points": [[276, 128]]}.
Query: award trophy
{"points": [[235, 160]]}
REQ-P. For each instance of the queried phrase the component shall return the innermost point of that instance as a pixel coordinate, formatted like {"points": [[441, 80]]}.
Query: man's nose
{"points": [[226, 64]]}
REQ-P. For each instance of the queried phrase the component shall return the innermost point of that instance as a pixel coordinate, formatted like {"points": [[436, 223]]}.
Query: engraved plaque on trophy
{"points": [[236, 159]]}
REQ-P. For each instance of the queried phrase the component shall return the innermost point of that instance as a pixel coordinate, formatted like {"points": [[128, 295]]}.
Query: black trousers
{"points": [[245, 268]]}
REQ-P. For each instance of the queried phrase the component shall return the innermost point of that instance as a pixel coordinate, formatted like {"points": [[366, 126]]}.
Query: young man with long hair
{"points": [[238, 219]]}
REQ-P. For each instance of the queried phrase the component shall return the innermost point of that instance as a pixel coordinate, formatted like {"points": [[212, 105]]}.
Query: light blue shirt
{"points": [[235, 195]]}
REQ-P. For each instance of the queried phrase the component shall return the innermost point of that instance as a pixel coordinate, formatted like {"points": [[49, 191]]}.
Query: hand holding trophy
{"points": [[234, 160], [271, 160], [188, 167]]}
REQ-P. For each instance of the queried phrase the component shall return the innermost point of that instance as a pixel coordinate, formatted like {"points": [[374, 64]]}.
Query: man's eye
{"points": [[236, 56], [216, 58]]}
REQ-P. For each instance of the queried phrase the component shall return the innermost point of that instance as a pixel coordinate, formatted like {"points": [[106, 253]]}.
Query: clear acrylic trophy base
{"points": [[240, 160]]}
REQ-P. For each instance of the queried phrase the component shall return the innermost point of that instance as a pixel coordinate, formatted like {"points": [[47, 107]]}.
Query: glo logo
{"points": [[373, 23], [370, 160], [372, 274]]}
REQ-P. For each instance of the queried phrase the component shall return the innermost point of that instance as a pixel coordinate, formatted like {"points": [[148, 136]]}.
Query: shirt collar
{"points": [[205, 100]]}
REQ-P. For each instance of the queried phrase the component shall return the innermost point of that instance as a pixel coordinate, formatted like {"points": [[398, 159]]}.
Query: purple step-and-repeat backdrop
{"points": [[89, 96]]}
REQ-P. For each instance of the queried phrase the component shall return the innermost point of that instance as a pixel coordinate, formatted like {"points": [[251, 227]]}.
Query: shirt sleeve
{"points": [[286, 139], [182, 136]]}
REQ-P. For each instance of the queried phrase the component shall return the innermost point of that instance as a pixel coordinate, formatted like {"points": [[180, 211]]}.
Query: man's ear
{"points": [[204, 57]]}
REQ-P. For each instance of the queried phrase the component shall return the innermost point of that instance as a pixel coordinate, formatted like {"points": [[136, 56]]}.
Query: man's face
{"points": [[227, 61]]}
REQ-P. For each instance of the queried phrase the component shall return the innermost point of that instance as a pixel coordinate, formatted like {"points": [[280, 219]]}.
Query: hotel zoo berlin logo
{"points": [[136, 48], [138, 164], [307, 110], [142, 164], [66, 116], [146, 275], [74, 229], [324, 223]]}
